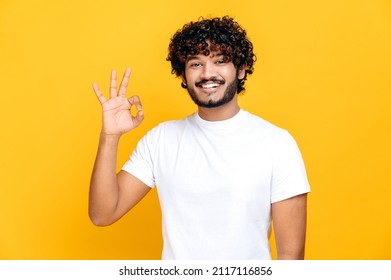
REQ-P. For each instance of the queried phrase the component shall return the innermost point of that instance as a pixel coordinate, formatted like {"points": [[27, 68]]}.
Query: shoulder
{"points": [[170, 127], [279, 141], [265, 128], [174, 124]]}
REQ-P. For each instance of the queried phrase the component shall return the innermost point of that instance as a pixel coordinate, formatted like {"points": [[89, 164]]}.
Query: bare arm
{"points": [[289, 221], [112, 195]]}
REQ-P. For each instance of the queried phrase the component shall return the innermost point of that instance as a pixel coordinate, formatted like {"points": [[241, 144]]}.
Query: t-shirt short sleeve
{"points": [[140, 163], [289, 176]]}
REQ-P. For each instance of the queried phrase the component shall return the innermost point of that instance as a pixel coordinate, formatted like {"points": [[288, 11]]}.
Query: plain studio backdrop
{"points": [[323, 73]]}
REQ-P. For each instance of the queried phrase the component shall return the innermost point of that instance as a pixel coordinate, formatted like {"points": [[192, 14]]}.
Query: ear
{"points": [[184, 83], [183, 79], [242, 72]]}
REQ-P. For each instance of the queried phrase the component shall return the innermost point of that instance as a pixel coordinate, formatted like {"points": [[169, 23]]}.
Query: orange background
{"points": [[323, 73]]}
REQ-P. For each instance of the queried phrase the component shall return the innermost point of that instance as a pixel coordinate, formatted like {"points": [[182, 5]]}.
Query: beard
{"points": [[228, 95]]}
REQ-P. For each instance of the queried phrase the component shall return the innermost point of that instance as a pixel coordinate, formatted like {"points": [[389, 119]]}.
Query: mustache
{"points": [[214, 80]]}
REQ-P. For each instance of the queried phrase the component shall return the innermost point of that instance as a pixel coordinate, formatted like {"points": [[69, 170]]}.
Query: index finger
{"points": [[135, 100], [124, 83]]}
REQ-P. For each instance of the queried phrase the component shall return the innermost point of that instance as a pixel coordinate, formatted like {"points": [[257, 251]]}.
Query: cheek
{"points": [[188, 76], [228, 72], [229, 75]]}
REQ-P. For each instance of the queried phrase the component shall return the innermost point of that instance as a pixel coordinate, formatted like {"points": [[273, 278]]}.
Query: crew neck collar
{"points": [[231, 122]]}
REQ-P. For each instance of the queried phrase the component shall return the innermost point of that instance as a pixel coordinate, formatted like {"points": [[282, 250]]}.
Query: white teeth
{"points": [[210, 86]]}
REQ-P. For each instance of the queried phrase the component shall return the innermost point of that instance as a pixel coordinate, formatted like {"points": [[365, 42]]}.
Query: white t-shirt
{"points": [[216, 182]]}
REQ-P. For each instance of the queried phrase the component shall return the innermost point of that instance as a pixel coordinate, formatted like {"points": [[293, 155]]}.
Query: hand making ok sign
{"points": [[116, 111]]}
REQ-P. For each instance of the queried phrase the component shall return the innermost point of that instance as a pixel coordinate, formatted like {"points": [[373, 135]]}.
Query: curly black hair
{"points": [[224, 35]]}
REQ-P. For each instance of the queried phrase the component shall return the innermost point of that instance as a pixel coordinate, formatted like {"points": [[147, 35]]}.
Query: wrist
{"points": [[109, 138]]}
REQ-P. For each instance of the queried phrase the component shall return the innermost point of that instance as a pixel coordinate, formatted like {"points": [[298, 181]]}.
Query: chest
{"points": [[227, 167]]}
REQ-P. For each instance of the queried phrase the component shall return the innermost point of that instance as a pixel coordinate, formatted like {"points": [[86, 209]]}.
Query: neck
{"points": [[221, 113]]}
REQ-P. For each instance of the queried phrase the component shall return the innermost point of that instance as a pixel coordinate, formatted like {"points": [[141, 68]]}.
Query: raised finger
{"points": [[113, 84], [98, 93], [124, 83]]}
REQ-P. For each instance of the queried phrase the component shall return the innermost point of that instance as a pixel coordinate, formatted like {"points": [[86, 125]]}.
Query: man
{"points": [[222, 174]]}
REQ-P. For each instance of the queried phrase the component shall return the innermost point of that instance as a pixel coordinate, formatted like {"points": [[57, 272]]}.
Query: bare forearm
{"points": [[289, 220], [295, 254], [104, 190], [291, 245], [109, 198]]}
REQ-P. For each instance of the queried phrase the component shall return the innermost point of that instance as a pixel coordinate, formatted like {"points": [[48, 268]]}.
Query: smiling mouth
{"points": [[209, 84]]}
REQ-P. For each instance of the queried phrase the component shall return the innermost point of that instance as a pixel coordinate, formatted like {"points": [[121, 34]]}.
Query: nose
{"points": [[208, 71]]}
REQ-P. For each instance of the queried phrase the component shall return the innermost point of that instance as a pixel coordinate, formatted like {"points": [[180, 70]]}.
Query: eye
{"points": [[220, 61], [195, 64]]}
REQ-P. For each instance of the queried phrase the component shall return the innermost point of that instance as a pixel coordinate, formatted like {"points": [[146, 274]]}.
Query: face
{"points": [[211, 81]]}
